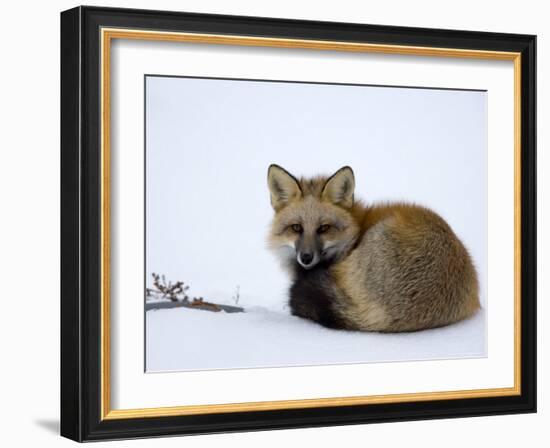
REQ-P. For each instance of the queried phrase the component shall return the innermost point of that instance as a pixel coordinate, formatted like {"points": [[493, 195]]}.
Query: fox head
{"points": [[313, 220]]}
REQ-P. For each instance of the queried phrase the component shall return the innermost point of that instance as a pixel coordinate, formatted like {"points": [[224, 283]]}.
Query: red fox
{"points": [[389, 268]]}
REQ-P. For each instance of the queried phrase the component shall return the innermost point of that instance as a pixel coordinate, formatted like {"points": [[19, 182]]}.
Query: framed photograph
{"points": [[272, 223]]}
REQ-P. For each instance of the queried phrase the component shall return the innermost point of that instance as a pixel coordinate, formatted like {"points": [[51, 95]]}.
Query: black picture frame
{"points": [[81, 414]]}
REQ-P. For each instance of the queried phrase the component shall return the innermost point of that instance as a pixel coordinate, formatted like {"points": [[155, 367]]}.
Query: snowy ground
{"points": [[208, 213], [187, 339]]}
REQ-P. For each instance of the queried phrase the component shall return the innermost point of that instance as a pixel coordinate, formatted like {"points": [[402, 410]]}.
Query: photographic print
{"points": [[345, 213], [301, 223]]}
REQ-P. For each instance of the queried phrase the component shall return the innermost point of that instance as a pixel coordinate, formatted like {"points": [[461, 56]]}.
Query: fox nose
{"points": [[306, 258]]}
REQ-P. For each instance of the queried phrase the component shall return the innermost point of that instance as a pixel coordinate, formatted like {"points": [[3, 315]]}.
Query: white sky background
{"points": [[210, 142]]}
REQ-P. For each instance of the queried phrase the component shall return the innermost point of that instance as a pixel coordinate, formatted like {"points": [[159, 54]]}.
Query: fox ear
{"points": [[339, 187], [283, 187]]}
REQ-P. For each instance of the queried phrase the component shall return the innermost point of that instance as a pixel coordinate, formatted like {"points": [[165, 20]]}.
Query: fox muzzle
{"points": [[308, 251]]}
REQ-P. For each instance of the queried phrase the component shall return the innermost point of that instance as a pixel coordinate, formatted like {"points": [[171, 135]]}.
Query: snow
{"points": [[208, 146], [187, 339]]}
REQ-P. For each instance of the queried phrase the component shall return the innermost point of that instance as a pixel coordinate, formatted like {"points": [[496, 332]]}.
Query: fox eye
{"points": [[323, 229], [297, 228]]}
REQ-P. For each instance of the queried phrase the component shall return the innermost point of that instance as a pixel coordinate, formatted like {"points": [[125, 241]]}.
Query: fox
{"points": [[385, 267]]}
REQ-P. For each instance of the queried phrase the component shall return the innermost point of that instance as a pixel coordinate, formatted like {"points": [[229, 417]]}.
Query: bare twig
{"points": [[176, 293], [237, 295]]}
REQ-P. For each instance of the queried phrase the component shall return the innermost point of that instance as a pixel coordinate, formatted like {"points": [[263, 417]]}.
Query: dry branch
{"points": [[176, 293]]}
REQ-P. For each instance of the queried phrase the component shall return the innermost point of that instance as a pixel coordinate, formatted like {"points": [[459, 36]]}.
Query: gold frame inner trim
{"points": [[107, 35]]}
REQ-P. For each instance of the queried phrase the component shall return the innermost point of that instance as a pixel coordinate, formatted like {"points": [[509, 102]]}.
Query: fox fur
{"points": [[389, 267]]}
